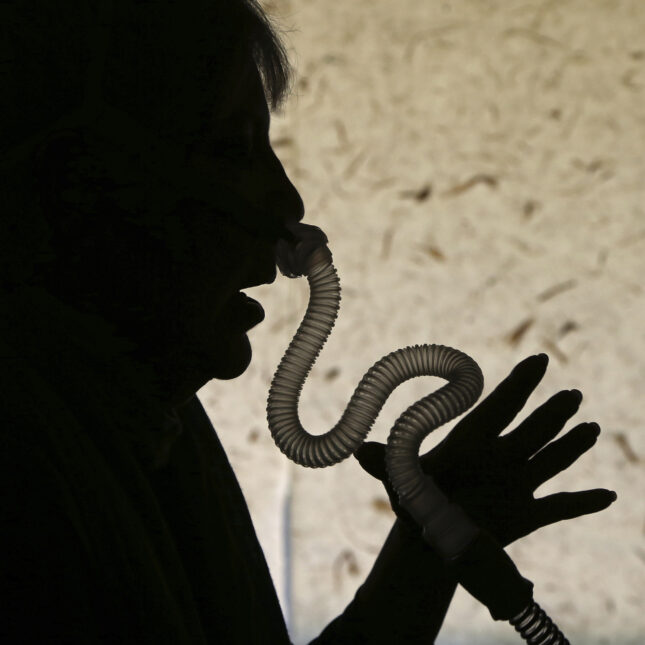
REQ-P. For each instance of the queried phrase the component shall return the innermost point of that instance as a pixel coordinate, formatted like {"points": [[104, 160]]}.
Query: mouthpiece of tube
{"points": [[301, 256]]}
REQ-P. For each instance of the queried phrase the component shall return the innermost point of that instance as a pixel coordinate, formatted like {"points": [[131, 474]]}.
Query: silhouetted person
{"points": [[140, 193]]}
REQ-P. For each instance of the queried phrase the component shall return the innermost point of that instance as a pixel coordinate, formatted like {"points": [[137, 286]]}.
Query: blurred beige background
{"points": [[478, 168]]}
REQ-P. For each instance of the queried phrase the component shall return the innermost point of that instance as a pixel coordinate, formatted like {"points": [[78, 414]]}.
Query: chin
{"points": [[232, 360]]}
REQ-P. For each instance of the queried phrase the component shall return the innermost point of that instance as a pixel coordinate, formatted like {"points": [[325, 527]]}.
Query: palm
{"points": [[493, 477]]}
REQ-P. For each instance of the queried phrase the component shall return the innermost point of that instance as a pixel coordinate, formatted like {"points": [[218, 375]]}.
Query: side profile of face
{"points": [[235, 248], [108, 139], [170, 279]]}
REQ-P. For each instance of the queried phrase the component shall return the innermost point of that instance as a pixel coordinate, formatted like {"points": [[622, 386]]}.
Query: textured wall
{"points": [[478, 168]]}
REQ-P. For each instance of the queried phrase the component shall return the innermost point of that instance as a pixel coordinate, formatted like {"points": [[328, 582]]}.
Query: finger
{"points": [[566, 506], [543, 424], [371, 457], [560, 454], [501, 406]]}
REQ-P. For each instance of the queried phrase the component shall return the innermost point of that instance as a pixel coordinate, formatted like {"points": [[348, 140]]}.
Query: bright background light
{"points": [[478, 167]]}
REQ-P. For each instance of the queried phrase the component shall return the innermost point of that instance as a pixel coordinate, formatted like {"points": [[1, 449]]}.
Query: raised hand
{"points": [[492, 477]]}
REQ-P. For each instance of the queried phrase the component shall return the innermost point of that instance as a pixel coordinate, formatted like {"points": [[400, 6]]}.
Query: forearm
{"points": [[403, 600]]}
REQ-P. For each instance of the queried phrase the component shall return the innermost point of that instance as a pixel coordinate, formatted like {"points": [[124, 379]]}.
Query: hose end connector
{"points": [[301, 256]]}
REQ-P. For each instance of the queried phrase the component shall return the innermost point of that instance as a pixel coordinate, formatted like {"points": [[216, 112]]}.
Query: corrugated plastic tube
{"points": [[472, 553]]}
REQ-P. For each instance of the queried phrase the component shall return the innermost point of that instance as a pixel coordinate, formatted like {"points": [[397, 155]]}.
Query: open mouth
{"points": [[246, 310]]}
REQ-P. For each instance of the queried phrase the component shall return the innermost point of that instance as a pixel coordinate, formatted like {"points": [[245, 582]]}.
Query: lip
{"points": [[245, 310]]}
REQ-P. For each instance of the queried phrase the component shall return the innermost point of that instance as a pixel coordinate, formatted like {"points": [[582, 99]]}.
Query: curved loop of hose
{"points": [[319, 451], [444, 524]]}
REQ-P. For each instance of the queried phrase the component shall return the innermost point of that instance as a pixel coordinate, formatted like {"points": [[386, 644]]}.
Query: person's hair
{"points": [[93, 87]]}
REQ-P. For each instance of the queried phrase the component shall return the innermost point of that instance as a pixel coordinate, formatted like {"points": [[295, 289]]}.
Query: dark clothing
{"points": [[121, 524]]}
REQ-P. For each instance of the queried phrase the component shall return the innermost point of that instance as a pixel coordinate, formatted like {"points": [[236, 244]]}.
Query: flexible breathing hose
{"points": [[472, 553]]}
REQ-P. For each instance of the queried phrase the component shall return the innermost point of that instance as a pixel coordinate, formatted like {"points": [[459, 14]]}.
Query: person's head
{"points": [[139, 178]]}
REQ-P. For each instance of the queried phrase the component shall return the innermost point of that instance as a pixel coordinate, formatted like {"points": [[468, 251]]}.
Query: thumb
{"points": [[371, 457]]}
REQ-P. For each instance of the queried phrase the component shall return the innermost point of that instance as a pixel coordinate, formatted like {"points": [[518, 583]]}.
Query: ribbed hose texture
{"points": [[536, 628], [318, 451], [415, 489]]}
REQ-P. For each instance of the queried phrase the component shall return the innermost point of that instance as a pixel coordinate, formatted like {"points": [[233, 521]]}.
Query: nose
{"points": [[287, 206]]}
